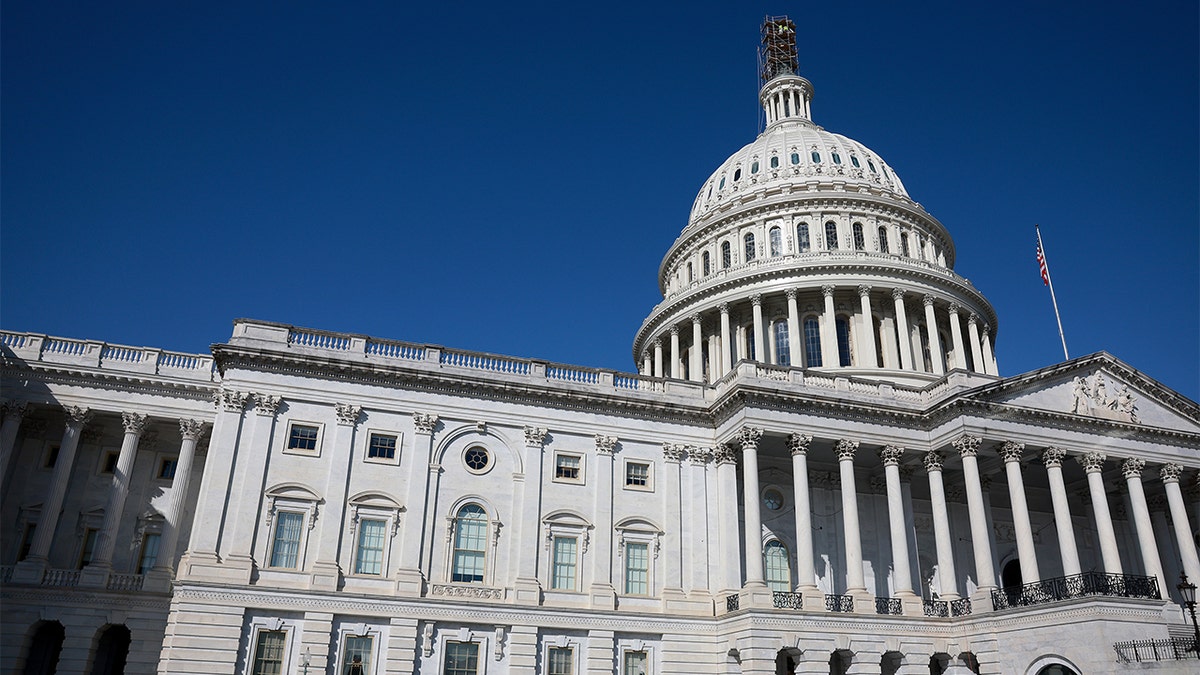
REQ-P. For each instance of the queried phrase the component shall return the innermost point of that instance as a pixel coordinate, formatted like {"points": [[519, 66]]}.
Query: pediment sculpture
{"points": [[1090, 397]]}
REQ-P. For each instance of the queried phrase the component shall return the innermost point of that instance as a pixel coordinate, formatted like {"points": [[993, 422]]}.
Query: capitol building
{"points": [[817, 468]]}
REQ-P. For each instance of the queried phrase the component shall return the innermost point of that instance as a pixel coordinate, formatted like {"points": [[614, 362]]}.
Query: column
{"points": [[673, 454], [647, 364], [696, 366], [1010, 452], [731, 573], [866, 343], [901, 571], [1052, 457], [327, 571], [675, 352], [714, 358], [856, 584], [947, 580], [701, 534], [976, 347], [159, 578], [97, 571], [726, 353], [906, 352], [245, 498], [602, 593], [749, 437], [989, 359], [13, 413], [960, 352], [968, 448], [1093, 464], [200, 561], [1183, 530], [931, 334], [658, 357], [409, 578], [793, 323], [760, 353], [829, 349], [1132, 470], [806, 573], [527, 588]]}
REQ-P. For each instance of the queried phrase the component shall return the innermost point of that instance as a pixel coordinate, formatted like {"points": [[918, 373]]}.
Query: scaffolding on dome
{"points": [[777, 54]]}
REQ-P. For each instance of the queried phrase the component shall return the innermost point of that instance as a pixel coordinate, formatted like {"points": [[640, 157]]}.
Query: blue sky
{"points": [[507, 178]]}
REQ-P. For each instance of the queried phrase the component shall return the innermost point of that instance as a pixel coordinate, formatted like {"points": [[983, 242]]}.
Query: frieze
{"points": [[1090, 397], [477, 592]]}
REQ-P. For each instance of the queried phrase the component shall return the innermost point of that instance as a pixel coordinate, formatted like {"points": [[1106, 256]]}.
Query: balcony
{"points": [[1076, 586], [1142, 651]]}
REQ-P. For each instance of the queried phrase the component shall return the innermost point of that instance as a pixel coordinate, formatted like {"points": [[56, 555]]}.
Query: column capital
{"points": [[863, 290], [423, 423], [723, 308], [190, 429], [1011, 451], [233, 401], [827, 290], [347, 414], [1132, 467], [790, 294], [1092, 462], [674, 331], [891, 455], [973, 318], [134, 423], [987, 330], [927, 300], [898, 294], [798, 443], [933, 461], [76, 416], [674, 452], [535, 436], [967, 445], [1170, 472], [749, 437], [266, 404], [845, 449], [15, 409], [699, 456], [657, 342], [724, 454], [695, 319], [605, 444], [756, 299], [954, 307], [1053, 457]]}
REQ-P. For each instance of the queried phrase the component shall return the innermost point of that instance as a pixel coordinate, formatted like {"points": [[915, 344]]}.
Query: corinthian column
{"points": [[941, 528], [749, 437], [901, 573], [658, 357], [931, 334], [829, 348], [726, 460], [159, 578], [1132, 470], [13, 413], [1183, 530], [960, 353], [696, 362], [793, 323], [1011, 453], [760, 353], [989, 359], [96, 573], [867, 329], [673, 455], [1052, 458], [726, 359], [602, 592], [675, 364], [976, 346], [855, 583], [1093, 464], [327, 570], [968, 449], [245, 500], [805, 570], [906, 352]]}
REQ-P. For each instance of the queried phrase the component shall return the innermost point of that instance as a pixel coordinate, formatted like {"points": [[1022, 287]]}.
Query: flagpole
{"points": [[1050, 283]]}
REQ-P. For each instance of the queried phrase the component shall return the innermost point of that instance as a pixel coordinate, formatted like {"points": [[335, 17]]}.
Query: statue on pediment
{"points": [[1090, 397]]}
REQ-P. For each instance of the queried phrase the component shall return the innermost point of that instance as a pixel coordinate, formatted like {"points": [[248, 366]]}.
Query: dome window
{"points": [[726, 255], [775, 238], [749, 241], [705, 264], [709, 195], [803, 244], [854, 161], [689, 273], [737, 174], [812, 342], [845, 349], [872, 166], [860, 242], [722, 185], [883, 242], [795, 158], [816, 157], [837, 159], [831, 236], [904, 244], [774, 162], [754, 167]]}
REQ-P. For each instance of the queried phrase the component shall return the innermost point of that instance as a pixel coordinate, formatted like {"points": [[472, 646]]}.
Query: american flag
{"points": [[1041, 256]]}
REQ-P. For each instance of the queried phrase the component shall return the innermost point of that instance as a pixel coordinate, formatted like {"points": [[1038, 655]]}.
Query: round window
{"points": [[773, 499], [477, 460]]}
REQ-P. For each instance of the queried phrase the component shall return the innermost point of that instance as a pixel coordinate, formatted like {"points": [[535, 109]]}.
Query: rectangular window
{"points": [[149, 555], [268, 652], [565, 561], [51, 457], [381, 446], [89, 547], [635, 663], [303, 437], [637, 475], [26, 541], [371, 535], [166, 468], [566, 468], [560, 661], [285, 546], [356, 658], [110, 462], [637, 569], [462, 658]]}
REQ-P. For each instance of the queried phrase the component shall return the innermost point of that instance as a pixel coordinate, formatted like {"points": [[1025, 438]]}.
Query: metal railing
{"points": [[937, 608], [732, 603], [960, 607], [839, 603], [1076, 586], [889, 606], [786, 600], [1174, 649]]}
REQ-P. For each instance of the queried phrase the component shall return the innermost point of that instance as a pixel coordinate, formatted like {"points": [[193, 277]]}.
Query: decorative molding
{"points": [[1053, 457], [967, 445], [798, 443], [724, 454], [898, 294], [423, 423], [1089, 396], [1092, 462], [954, 307], [535, 437], [230, 400], [455, 591], [1011, 451], [674, 452], [845, 449], [749, 437], [699, 456], [347, 414], [77, 417], [827, 290], [605, 445], [927, 300], [1170, 472], [15, 410], [891, 455], [133, 423], [1132, 467], [864, 290], [933, 461]]}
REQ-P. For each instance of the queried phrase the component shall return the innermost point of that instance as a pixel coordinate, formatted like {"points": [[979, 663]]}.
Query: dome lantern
{"points": [[785, 96]]}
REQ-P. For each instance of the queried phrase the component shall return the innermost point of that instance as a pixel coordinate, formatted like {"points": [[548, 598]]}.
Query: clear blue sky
{"points": [[507, 178]]}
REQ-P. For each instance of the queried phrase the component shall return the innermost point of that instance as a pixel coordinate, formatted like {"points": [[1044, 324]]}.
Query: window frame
{"points": [[859, 236], [811, 341], [259, 624], [562, 643], [726, 255], [649, 486], [705, 264], [396, 436], [831, 236], [775, 241], [490, 457], [371, 506], [803, 237], [625, 647], [290, 498], [255, 645], [285, 442], [49, 456], [845, 349], [787, 585], [749, 247], [884, 247], [161, 462], [574, 565], [103, 468], [141, 567], [638, 531], [487, 550], [275, 540], [579, 478], [480, 653], [780, 334], [358, 632]]}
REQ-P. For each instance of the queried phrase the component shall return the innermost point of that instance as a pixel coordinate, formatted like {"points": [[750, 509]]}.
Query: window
{"points": [[285, 545], [634, 663], [303, 437], [812, 343], [843, 341], [356, 656], [774, 162], [921, 246], [637, 568], [860, 242], [775, 238], [560, 661], [51, 457], [567, 468], [783, 351], [470, 541], [802, 242], [904, 243], [722, 185], [166, 468], [381, 446], [462, 658], [268, 652], [854, 161], [726, 255], [89, 547], [26, 541], [883, 239], [776, 567], [705, 264], [737, 174], [816, 157], [477, 459], [749, 246], [369, 557], [565, 560], [795, 158], [872, 165], [689, 273], [837, 159], [773, 499], [754, 167], [109, 462], [148, 558], [637, 475], [831, 236]]}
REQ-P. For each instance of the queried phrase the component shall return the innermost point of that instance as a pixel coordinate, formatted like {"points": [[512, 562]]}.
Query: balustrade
{"points": [[891, 606], [55, 577], [1139, 651], [125, 582], [960, 607], [839, 603], [732, 603], [939, 608], [786, 600], [1076, 586]]}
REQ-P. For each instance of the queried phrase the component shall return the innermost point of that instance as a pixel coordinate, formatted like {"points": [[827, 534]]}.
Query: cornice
{"points": [[15, 368], [71, 597]]}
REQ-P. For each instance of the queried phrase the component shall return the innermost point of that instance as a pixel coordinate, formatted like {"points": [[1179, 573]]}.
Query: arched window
{"points": [[754, 167], [775, 237], [803, 245], [726, 255], [777, 569], [812, 343], [816, 157], [925, 355], [749, 241], [112, 650], [872, 166], [705, 264], [709, 195], [783, 351], [921, 246], [689, 273], [904, 244], [722, 185], [845, 354], [831, 236], [883, 242], [854, 161], [470, 544], [795, 158], [774, 162], [860, 242], [737, 174], [44, 649], [837, 159]]}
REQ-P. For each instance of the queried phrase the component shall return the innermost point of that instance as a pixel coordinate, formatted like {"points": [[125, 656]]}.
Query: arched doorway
{"points": [[784, 663], [1011, 574], [44, 647], [1056, 669], [111, 651]]}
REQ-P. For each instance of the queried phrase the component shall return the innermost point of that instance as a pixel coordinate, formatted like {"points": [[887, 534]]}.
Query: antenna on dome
{"points": [[777, 54]]}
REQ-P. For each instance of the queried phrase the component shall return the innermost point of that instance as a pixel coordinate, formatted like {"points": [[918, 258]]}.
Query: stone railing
{"points": [[891, 606], [6, 572], [786, 600], [35, 347], [1141, 651], [839, 603], [125, 582], [54, 577], [1076, 586]]}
